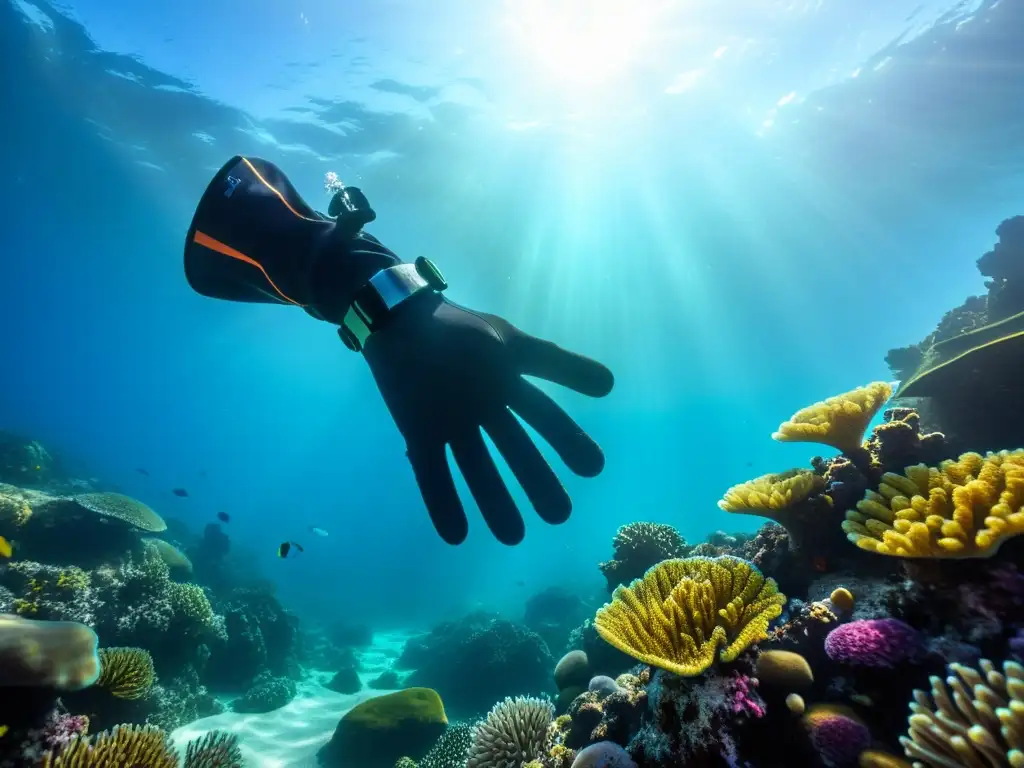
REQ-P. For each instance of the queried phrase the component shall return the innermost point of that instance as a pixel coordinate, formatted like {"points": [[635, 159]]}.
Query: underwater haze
{"points": [[739, 208]]}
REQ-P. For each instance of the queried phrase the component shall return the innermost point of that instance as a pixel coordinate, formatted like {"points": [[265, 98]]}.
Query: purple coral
{"points": [[874, 643], [54, 735], [836, 735]]}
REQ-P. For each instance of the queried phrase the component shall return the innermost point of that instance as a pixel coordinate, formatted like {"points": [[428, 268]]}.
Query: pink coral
{"points": [[55, 733], [745, 701], [874, 643]]}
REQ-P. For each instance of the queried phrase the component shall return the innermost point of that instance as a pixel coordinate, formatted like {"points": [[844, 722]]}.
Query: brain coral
{"points": [[683, 613]]}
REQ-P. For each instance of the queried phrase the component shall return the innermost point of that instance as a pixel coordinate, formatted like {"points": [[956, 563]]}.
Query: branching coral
{"points": [[965, 508], [217, 749], [124, 745], [975, 719], [126, 673], [123, 508], [190, 602], [839, 421], [512, 733], [682, 612]]}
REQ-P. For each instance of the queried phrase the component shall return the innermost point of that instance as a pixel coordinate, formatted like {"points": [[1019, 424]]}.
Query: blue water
{"points": [[738, 211]]}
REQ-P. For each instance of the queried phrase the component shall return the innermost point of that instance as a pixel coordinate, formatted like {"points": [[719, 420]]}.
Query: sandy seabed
{"points": [[290, 737]]}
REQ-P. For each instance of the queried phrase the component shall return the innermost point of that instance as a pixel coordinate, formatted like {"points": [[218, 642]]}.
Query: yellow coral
{"points": [[219, 749], [22, 514], [842, 599], [769, 492], [875, 758], [124, 745], [839, 421], [965, 508], [126, 673], [25, 607], [73, 579], [682, 611], [981, 723]]}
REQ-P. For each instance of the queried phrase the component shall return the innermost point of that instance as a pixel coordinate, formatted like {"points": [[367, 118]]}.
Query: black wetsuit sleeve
{"points": [[253, 238]]}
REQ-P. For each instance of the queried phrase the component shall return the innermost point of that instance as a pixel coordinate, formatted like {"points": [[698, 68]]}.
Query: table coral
{"points": [[123, 508], [684, 613], [793, 499], [963, 508], [839, 421]]}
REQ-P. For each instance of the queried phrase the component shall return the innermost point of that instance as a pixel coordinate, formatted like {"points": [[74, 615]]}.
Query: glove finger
{"points": [[546, 360], [434, 477], [579, 452], [485, 483], [528, 465]]}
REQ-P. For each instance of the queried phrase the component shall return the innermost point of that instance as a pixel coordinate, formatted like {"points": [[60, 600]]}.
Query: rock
{"points": [[377, 732], [346, 681], [572, 670]]}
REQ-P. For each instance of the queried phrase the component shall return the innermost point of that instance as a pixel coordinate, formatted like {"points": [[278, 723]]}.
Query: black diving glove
{"points": [[446, 373]]}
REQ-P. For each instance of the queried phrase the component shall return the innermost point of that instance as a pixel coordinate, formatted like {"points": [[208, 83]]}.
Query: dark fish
{"points": [[224, 517], [202, 473], [317, 531], [289, 548], [520, 583], [142, 471], [750, 463], [180, 492]]}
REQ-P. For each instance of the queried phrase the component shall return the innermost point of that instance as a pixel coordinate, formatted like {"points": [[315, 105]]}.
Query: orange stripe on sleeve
{"points": [[203, 239], [275, 190]]}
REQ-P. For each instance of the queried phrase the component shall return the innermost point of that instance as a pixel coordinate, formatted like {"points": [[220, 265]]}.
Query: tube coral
{"points": [[975, 719], [964, 508], [682, 612]]}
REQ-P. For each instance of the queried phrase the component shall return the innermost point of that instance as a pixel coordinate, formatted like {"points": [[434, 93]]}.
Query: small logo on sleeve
{"points": [[231, 183]]}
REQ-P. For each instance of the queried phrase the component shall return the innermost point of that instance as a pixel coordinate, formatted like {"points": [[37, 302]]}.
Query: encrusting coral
{"points": [[127, 673], [682, 612], [975, 719], [839, 421], [964, 508]]}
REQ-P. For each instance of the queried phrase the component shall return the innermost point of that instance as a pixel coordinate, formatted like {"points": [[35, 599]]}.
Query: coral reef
{"points": [[377, 732], [684, 613], [266, 694], [125, 745], [476, 661], [637, 547], [261, 635], [553, 614], [217, 749], [793, 499]]}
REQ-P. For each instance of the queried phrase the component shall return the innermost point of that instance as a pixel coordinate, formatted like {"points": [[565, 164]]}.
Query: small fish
{"points": [[224, 517], [317, 531], [5, 548], [3, 730], [202, 473], [750, 463], [37, 467], [864, 701], [819, 563], [181, 493], [141, 471], [520, 583], [289, 548]]}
